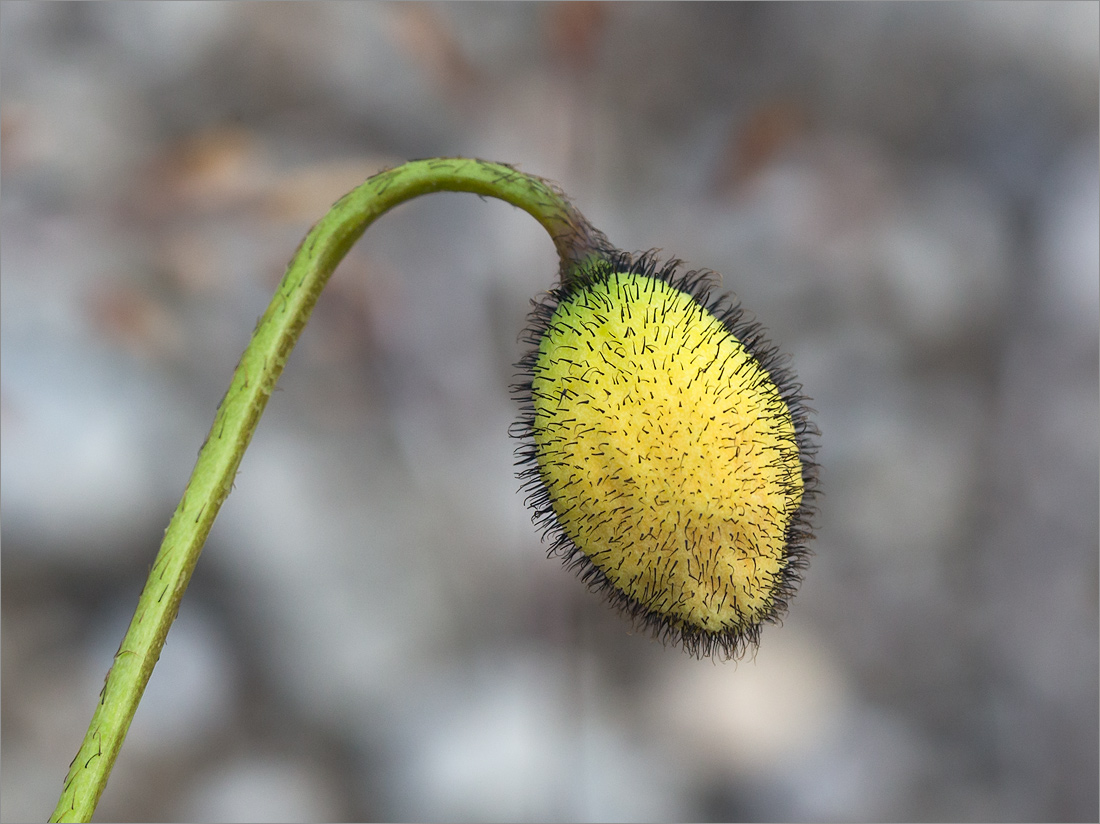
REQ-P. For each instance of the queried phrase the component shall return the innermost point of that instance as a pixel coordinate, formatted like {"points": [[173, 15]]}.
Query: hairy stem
{"points": [[237, 416]]}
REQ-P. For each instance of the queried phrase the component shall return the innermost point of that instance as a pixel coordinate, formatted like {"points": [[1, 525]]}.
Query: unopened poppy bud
{"points": [[668, 452]]}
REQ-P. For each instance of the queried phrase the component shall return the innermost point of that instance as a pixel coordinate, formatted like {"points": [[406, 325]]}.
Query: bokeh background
{"points": [[905, 195]]}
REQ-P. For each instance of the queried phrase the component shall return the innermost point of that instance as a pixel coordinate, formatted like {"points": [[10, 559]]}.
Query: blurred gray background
{"points": [[905, 195]]}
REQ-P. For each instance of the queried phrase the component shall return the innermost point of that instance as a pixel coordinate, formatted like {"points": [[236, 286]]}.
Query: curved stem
{"points": [[237, 416]]}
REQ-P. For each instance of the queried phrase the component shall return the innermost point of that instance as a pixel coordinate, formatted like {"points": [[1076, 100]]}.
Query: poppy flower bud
{"points": [[668, 452]]}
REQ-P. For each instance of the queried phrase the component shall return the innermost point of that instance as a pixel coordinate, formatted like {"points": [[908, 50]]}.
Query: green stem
{"points": [[237, 416]]}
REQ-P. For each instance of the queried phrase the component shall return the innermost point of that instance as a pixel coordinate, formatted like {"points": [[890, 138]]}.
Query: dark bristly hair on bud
{"points": [[668, 453]]}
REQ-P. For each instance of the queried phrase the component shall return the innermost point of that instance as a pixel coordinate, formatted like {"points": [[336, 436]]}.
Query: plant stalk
{"points": [[239, 412]]}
